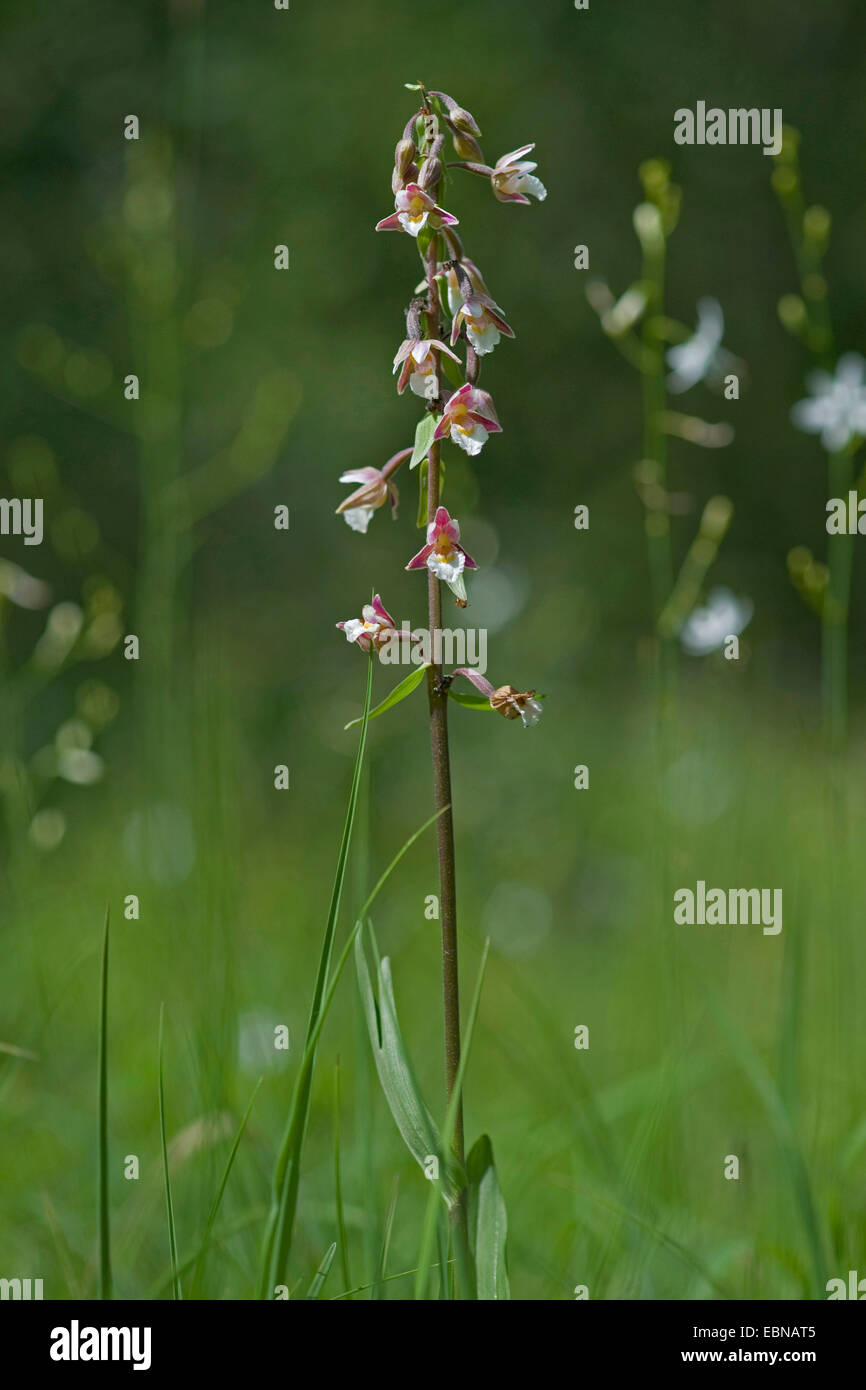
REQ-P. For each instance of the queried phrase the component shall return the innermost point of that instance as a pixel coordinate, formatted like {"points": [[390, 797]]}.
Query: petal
{"points": [[420, 560], [480, 682], [381, 612], [359, 475], [389, 224], [534, 186], [470, 441], [358, 518], [507, 159]]}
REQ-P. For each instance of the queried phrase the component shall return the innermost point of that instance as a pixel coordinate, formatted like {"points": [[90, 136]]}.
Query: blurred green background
{"points": [[155, 778]]}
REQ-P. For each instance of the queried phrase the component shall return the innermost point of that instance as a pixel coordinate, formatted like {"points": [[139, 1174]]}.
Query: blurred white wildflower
{"points": [[836, 408], [724, 615], [21, 588], [701, 356]]}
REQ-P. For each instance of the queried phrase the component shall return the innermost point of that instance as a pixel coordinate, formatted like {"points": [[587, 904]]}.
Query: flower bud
{"points": [[430, 173], [463, 120], [403, 155], [467, 147]]}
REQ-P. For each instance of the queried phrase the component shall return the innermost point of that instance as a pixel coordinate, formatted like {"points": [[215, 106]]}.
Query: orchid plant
{"points": [[451, 309], [835, 410], [671, 359]]}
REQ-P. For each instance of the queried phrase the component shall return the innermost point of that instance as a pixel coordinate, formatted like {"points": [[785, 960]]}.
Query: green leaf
{"points": [[105, 1286], [425, 236], [396, 1075], [464, 1256], [452, 370], [284, 1201], [215, 1206], [488, 1221], [322, 1272], [177, 1292], [406, 686], [424, 432], [421, 519], [284, 1196], [471, 701]]}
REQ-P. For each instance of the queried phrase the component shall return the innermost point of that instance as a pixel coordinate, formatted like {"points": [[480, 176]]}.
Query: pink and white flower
{"points": [[374, 628], [452, 281], [511, 703], [512, 177], [484, 323], [418, 366], [414, 210], [443, 554], [468, 419], [376, 489]]}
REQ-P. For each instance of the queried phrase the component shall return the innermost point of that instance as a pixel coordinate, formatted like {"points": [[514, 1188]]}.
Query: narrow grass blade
{"points": [[488, 1220], [278, 1237], [663, 1239], [105, 1281], [406, 686], [786, 1136], [382, 1272], [177, 1292], [429, 1229], [389, 1279], [322, 1272], [305, 1069], [199, 1265], [338, 1185]]}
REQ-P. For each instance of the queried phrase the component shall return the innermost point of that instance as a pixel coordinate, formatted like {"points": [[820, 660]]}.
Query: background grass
{"points": [[261, 127]]}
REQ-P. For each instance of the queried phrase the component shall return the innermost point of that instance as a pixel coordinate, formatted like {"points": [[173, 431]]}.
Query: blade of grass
{"points": [[389, 1279], [278, 1236], [294, 1137], [253, 1217], [464, 1258], [199, 1264], [177, 1292], [322, 1272], [338, 1185], [382, 1274], [105, 1281]]}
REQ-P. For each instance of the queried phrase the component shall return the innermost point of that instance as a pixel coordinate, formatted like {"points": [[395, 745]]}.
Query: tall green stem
{"points": [[657, 521], [438, 703]]}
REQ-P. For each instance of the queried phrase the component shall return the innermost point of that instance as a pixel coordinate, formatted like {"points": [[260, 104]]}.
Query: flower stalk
{"points": [[451, 305]]}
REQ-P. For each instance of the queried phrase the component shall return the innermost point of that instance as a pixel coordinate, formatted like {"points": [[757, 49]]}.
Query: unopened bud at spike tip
{"points": [[463, 120]]}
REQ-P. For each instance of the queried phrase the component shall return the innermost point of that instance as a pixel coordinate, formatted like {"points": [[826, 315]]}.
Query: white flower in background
{"points": [[724, 615], [701, 356], [21, 588], [836, 409]]}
